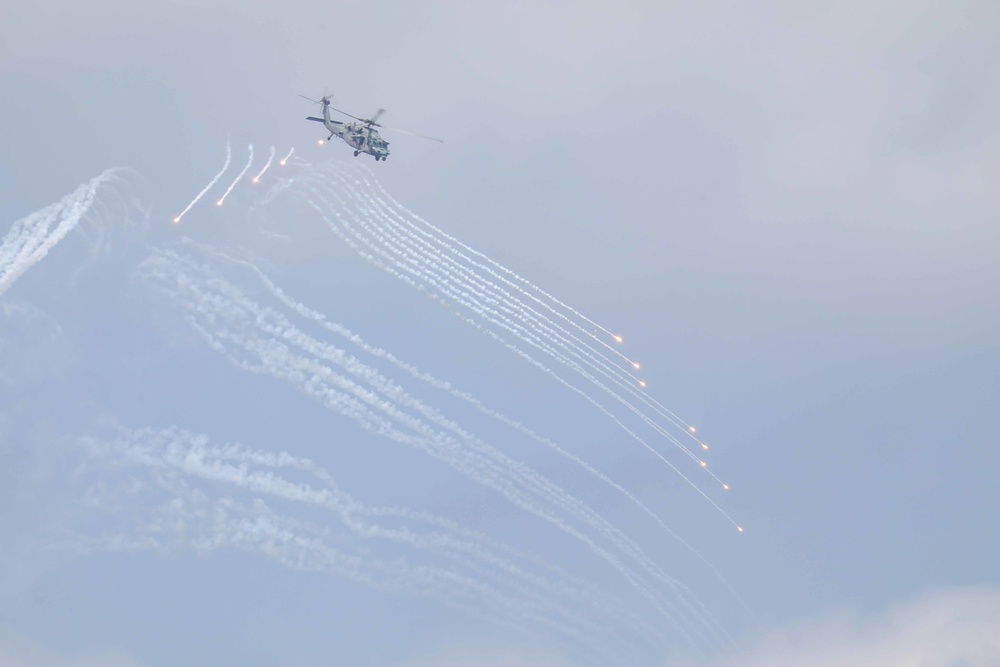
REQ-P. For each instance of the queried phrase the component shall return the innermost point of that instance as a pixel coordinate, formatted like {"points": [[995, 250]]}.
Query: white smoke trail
{"points": [[209, 315], [270, 158], [466, 297], [435, 256], [30, 238], [284, 160], [431, 380], [550, 330], [433, 264], [527, 596], [465, 396], [211, 183], [497, 265], [394, 209], [438, 248], [237, 179], [191, 518]]}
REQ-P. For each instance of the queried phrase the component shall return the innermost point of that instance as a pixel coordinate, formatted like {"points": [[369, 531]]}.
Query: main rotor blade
{"points": [[310, 99], [363, 120], [376, 117], [422, 136]]}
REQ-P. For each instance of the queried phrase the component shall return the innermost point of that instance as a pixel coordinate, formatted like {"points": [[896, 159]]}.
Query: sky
{"points": [[787, 211]]}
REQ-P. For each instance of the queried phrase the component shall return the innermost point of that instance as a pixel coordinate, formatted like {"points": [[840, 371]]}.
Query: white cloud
{"points": [[951, 628]]}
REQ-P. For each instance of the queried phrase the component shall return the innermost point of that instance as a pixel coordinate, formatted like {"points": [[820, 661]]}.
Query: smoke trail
{"points": [[477, 302], [30, 238], [215, 179], [428, 378], [224, 316], [433, 242], [524, 595], [189, 517], [497, 265], [467, 397], [370, 181], [256, 179], [237, 179], [284, 160], [524, 313]]}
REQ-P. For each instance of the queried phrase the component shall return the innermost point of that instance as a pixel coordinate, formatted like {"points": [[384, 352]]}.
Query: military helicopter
{"points": [[361, 135]]}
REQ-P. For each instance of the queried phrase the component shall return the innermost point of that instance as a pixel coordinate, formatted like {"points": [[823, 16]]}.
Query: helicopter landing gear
{"points": [[355, 153]]}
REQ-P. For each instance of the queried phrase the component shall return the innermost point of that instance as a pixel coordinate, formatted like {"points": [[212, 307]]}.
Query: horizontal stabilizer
{"points": [[320, 120]]}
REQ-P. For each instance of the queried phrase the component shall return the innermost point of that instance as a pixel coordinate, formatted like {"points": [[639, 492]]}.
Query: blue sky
{"points": [[788, 212]]}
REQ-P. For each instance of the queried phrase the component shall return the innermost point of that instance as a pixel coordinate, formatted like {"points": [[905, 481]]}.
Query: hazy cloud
{"points": [[954, 628]]}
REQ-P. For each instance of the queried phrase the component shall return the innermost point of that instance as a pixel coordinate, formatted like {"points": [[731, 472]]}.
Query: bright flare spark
{"points": [[703, 464], [635, 365], [618, 339], [692, 429], [642, 383], [725, 487], [177, 220], [218, 203], [704, 446], [739, 528], [320, 142], [284, 160]]}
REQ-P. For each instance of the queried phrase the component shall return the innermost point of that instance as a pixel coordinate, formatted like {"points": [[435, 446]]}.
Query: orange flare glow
{"points": [[618, 339], [725, 486], [739, 528], [218, 203], [703, 464], [635, 365], [692, 429], [177, 220], [320, 142], [704, 446], [256, 180], [282, 163], [642, 383]]}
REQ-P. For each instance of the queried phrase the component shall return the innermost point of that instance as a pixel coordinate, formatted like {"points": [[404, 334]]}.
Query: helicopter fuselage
{"points": [[360, 136], [365, 140]]}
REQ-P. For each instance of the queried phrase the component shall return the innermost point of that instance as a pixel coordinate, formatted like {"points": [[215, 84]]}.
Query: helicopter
{"points": [[361, 135]]}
